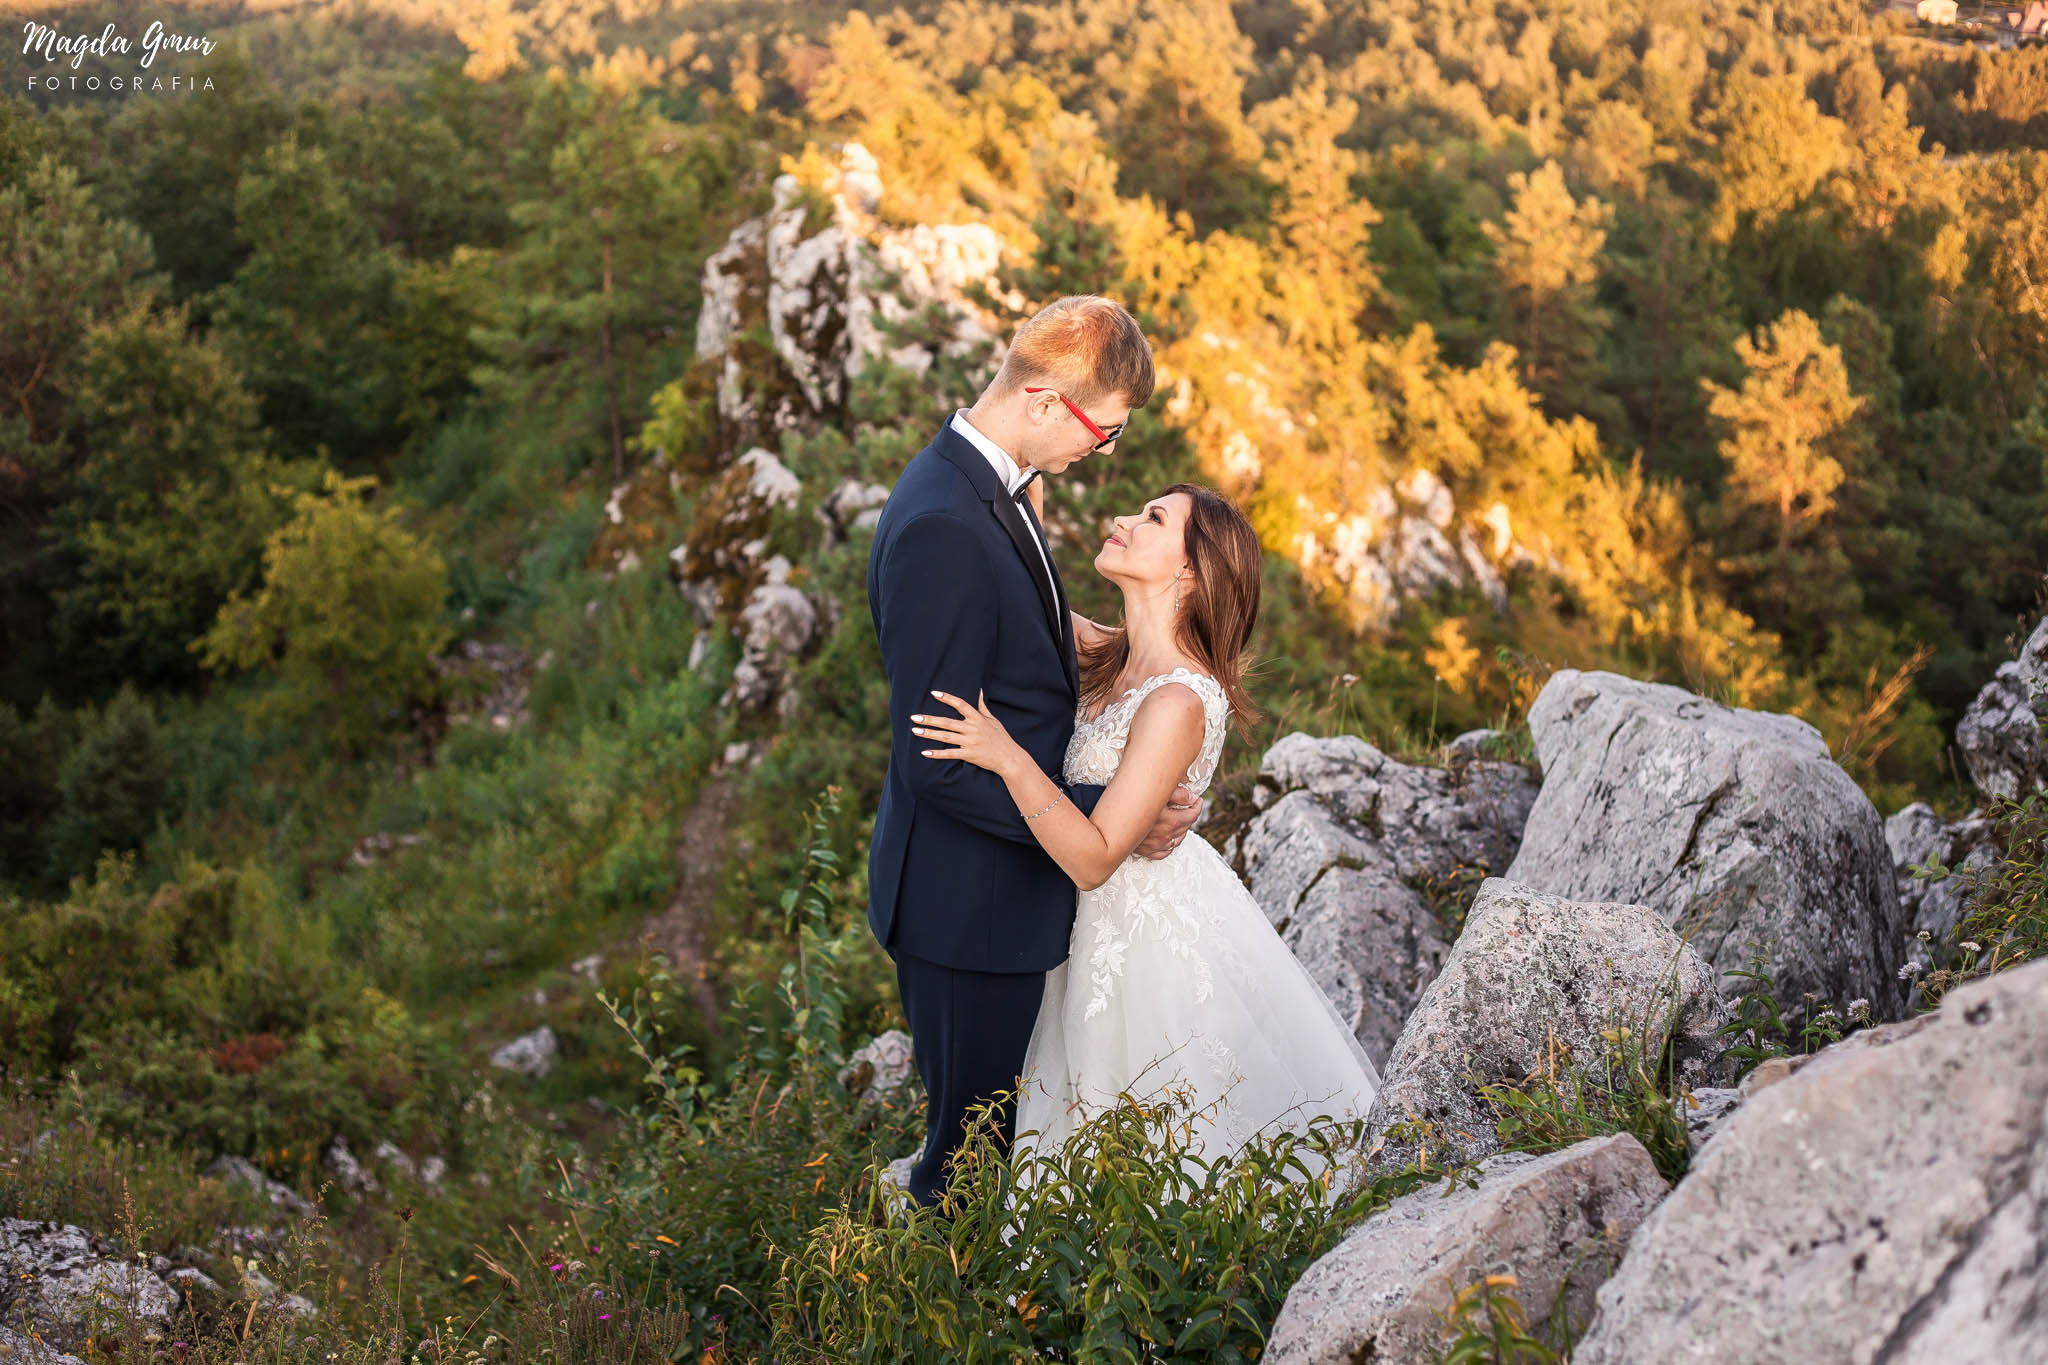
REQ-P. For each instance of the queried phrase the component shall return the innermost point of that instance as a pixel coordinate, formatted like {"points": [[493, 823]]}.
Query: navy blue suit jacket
{"points": [[954, 874]]}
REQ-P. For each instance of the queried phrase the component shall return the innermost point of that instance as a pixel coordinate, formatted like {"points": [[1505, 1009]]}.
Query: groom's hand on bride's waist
{"points": [[1183, 812]]}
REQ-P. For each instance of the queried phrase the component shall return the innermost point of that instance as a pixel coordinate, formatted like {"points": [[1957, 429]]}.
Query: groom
{"points": [[966, 600]]}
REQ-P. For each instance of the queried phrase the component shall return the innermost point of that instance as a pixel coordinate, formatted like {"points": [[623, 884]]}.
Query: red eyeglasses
{"points": [[1102, 438]]}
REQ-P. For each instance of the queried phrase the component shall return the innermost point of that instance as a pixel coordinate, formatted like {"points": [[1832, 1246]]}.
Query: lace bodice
{"points": [[1098, 744]]}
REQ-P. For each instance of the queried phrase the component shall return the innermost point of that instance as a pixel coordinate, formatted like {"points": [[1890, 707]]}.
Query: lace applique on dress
{"points": [[1098, 743], [1159, 901]]}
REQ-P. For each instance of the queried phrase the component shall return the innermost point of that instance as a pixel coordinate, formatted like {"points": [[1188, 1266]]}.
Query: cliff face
{"points": [[805, 298]]}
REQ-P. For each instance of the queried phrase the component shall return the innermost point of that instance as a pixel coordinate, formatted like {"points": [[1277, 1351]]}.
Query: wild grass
{"points": [[2005, 916], [1630, 1086]]}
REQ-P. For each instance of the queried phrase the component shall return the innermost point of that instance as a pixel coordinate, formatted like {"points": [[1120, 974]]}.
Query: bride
{"points": [[1174, 981]]}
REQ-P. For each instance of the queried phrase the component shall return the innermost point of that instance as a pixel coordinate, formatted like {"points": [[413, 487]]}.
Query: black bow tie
{"points": [[1018, 491]]}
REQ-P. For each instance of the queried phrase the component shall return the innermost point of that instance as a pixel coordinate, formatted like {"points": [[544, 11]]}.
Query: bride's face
{"points": [[1147, 548]]}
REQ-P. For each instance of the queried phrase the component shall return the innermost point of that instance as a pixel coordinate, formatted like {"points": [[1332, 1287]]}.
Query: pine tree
{"points": [[1327, 279], [1787, 424], [605, 275], [307, 317], [1546, 259]]}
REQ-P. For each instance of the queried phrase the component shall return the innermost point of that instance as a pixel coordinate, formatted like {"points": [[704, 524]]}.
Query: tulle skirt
{"points": [[1177, 988]]}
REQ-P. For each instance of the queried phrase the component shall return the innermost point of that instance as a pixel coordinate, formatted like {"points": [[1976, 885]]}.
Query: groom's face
{"points": [[1063, 439]]}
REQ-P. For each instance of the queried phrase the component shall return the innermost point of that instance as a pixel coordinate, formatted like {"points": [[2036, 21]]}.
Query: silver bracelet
{"points": [[1055, 801]]}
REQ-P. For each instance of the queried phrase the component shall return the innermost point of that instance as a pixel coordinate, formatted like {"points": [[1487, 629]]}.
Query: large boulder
{"points": [[2000, 732], [530, 1054], [1887, 1201], [1554, 1222], [1360, 862], [1534, 981], [1734, 825], [70, 1285]]}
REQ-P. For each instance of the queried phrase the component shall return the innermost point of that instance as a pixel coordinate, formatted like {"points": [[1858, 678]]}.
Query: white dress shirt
{"points": [[1012, 476]]}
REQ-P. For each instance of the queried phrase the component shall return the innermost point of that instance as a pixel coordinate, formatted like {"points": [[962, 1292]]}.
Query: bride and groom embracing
{"points": [[1030, 872]]}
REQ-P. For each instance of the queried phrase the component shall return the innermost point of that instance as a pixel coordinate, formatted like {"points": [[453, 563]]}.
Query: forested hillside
{"points": [[1703, 341]]}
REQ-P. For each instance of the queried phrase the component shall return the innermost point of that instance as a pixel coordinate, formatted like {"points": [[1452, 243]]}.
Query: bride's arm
{"points": [[1165, 736]]}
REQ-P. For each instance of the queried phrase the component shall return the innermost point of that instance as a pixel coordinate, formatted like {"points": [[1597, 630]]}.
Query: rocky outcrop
{"points": [[777, 625], [1705, 1110], [725, 555], [70, 1285], [1734, 824], [1933, 906], [531, 1054], [2000, 732], [341, 1163], [850, 506], [17, 1349], [1374, 546], [495, 680], [725, 571], [880, 1072], [1885, 1201], [236, 1170], [1360, 862], [1554, 1222], [427, 1172], [827, 282], [1532, 974]]}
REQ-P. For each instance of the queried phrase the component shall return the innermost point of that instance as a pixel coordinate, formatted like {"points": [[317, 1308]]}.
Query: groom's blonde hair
{"points": [[1086, 346]]}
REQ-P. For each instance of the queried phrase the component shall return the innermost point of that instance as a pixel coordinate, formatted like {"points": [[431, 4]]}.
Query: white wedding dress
{"points": [[1175, 981]]}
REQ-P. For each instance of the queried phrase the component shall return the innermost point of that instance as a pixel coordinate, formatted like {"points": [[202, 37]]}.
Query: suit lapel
{"points": [[1063, 621], [1052, 595], [1013, 519]]}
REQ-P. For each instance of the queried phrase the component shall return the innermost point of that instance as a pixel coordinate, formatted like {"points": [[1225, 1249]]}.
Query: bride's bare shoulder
{"points": [[1174, 712]]}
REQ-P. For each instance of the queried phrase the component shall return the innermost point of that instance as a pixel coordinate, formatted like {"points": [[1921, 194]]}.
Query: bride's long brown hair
{"points": [[1219, 605]]}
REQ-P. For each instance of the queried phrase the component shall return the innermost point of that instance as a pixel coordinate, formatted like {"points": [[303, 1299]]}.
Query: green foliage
{"points": [[1757, 1030], [199, 1013], [2005, 917], [310, 312], [725, 1177], [112, 787], [1487, 1325], [1628, 1088], [347, 621], [173, 500], [1121, 1243]]}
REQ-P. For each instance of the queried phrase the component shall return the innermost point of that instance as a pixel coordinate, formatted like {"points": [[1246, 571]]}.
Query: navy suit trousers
{"points": [[970, 1030]]}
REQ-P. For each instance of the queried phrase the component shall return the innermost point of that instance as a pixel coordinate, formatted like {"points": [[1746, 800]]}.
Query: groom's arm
{"points": [[937, 631]]}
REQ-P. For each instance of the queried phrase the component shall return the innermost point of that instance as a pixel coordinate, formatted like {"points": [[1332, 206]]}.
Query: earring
{"points": [[1176, 588]]}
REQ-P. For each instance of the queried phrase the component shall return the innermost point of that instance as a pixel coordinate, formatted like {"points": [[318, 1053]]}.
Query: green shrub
{"points": [[725, 1177], [1120, 1244], [32, 748], [112, 786], [199, 1012], [347, 621], [1627, 1090], [1487, 1325]]}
